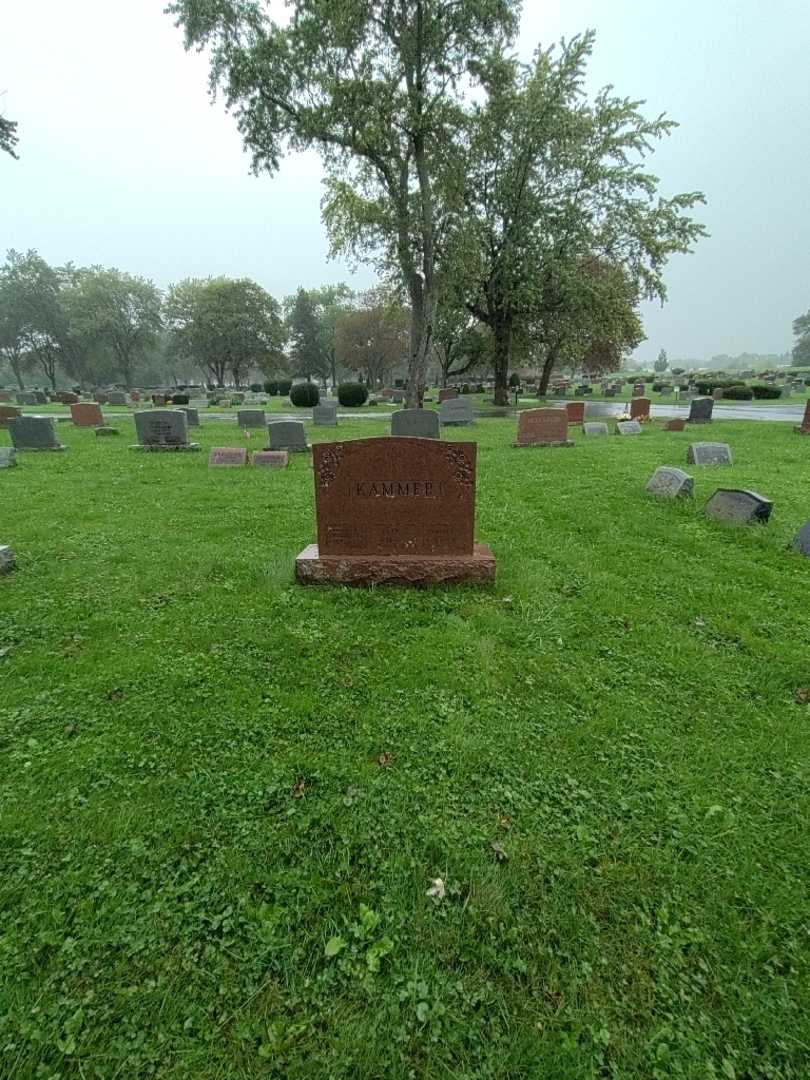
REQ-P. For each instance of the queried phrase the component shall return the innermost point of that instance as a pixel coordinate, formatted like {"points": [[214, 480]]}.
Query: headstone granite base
{"points": [[421, 570]]}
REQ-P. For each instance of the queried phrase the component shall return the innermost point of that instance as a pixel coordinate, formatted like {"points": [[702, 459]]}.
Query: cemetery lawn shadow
{"points": [[555, 828]]}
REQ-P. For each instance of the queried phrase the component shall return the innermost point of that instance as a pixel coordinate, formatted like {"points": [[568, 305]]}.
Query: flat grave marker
{"points": [[709, 453], [671, 483], [675, 425], [8, 457], [739, 506], [271, 459], [629, 427], [227, 457], [597, 428]]}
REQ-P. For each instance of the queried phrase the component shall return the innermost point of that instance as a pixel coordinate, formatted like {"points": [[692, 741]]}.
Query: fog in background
{"points": [[124, 162]]}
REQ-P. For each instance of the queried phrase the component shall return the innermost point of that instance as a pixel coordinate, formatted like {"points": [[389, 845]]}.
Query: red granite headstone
{"points": [[395, 510], [5, 395], [86, 414], [447, 393], [543, 427], [228, 456], [576, 412], [804, 427], [640, 409], [8, 412], [675, 425], [271, 459]]}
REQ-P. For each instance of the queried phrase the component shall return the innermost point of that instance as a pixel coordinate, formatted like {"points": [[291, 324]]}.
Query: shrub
{"points": [[738, 393], [284, 386], [514, 379], [352, 394], [179, 399], [271, 388], [465, 389], [678, 371], [305, 394], [706, 386], [255, 388], [764, 392]]}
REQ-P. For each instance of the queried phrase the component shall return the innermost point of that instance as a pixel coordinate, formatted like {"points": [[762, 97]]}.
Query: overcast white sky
{"points": [[124, 161]]}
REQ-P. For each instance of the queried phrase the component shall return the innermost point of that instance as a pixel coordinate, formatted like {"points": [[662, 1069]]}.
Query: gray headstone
{"points": [[801, 541], [737, 505], [456, 412], [418, 423], [700, 410], [629, 427], [6, 560], [165, 428], [40, 398], [709, 453], [670, 482], [115, 397], [8, 457], [34, 433], [595, 428], [192, 415], [251, 418], [325, 414], [287, 435], [25, 398], [398, 397]]}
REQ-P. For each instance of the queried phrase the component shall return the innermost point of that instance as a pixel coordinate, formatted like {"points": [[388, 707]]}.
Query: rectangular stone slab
{"points": [[675, 425], [161, 427], [405, 497], [86, 414], [700, 410], [576, 411], [423, 570], [8, 457], [271, 459], [287, 435], [739, 506], [8, 412], [640, 408], [227, 456], [670, 482], [543, 427], [34, 433], [708, 453], [629, 427], [595, 428], [456, 412], [415, 423], [325, 415], [251, 418]]}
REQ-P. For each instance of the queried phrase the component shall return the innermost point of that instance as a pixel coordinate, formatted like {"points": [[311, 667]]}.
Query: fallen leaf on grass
{"points": [[384, 760], [802, 695], [298, 788], [70, 729], [498, 851], [436, 890]]}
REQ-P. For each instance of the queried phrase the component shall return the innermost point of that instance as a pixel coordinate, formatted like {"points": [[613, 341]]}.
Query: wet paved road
{"points": [[789, 414]]}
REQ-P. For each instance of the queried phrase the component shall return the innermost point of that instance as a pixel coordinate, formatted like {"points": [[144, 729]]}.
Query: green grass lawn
{"points": [[225, 797]]}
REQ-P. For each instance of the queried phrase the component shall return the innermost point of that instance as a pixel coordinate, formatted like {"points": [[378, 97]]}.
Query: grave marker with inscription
{"points": [[162, 430], [287, 435], [34, 433], [251, 418], [325, 414], [576, 411], [228, 456], [543, 427], [675, 425], [271, 459], [672, 483], [8, 412], [595, 428], [415, 423], [629, 427], [86, 414], [700, 410], [395, 510], [640, 409], [739, 506], [709, 453], [456, 412], [447, 393]]}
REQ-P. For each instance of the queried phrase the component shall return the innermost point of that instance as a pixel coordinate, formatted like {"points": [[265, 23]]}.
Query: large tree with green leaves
{"points": [[801, 331], [554, 186], [307, 347], [377, 87], [116, 313], [373, 339], [225, 327]]}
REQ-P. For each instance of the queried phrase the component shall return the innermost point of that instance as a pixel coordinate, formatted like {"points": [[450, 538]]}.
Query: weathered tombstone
{"points": [[801, 429], [415, 423], [717, 394], [34, 433], [8, 457], [8, 412], [325, 414], [67, 397], [740, 506], [629, 427], [610, 391], [709, 453], [251, 418], [40, 397], [192, 415], [575, 410], [227, 456], [675, 425], [640, 409], [638, 389], [287, 435], [162, 429], [456, 412], [801, 541], [5, 396], [86, 414], [271, 459], [116, 397], [700, 410], [395, 510], [447, 393], [6, 559], [672, 483], [100, 399], [595, 428], [26, 398], [397, 397], [543, 427]]}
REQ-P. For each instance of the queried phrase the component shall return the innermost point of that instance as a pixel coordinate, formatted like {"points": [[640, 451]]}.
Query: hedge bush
{"points": [[284, 386], [255, 388], [706, 386], [271, 388], [738, 393], [352, 394], [765, 392], [179, 399], [305, 395]]}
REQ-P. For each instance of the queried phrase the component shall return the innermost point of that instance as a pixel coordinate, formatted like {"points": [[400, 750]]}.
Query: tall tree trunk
{"points": [[502, 333], [548, 367]]}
